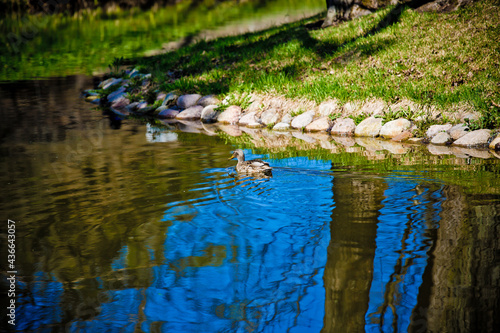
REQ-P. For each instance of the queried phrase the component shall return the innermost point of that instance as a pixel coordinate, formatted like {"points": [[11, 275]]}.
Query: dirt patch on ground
{"points": [[374, 106]]}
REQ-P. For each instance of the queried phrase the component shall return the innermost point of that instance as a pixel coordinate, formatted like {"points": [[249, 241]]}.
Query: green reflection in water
{"points": [[58, 45], [368, 156]]}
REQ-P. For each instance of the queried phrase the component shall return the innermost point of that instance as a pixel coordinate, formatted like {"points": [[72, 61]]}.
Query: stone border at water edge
{"points": [[399, 122]]}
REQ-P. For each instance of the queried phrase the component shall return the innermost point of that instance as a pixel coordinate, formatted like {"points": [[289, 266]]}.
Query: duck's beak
{"points": [[232, 156]]}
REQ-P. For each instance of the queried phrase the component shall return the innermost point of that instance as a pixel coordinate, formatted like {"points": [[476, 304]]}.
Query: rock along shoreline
{"points": [[122, 95]]}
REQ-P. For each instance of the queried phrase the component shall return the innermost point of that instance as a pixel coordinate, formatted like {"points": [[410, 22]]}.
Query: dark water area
{"points": [[127, 226]]}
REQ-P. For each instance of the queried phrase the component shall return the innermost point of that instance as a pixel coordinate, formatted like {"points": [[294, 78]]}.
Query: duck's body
{"points": [[250, 167]]}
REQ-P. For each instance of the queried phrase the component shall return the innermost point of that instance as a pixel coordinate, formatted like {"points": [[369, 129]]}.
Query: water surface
{"points": [[128, 226]]}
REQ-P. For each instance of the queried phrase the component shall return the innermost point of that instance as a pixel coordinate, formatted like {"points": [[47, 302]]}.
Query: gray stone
{"points": [[343, 126], [248, 118], [394, 127], [141, 105], [120, 102], [134, 73], [458, 131], [132, 106], [231, 115], [369, 127], [160, 109], [269, 117], [281, 127], [96, 101], [494, 142], [116, 94], [191, 113], [161, 96], [170, 98], [435, 129], [302, 120], [441, 138], [168, 114], [474, 138], [209, 114], [105, 82], [208, 100], [186, 101], [110, 82], [322, 124]]}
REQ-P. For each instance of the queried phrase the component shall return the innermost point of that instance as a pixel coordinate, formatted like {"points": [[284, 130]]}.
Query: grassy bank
{"points": [[446, 60]]}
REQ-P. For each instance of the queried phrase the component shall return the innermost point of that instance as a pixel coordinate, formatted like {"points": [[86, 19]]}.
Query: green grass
{"points": [[443, 60]]}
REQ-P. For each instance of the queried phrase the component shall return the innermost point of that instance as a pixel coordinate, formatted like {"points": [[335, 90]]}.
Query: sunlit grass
{"points": [[444, 60]]}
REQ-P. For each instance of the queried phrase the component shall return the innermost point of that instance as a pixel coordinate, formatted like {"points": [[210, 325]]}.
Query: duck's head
{"points": [[238, 153]]}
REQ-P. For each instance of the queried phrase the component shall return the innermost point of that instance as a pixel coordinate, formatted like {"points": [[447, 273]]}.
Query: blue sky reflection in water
{"points": [[249, 255]]}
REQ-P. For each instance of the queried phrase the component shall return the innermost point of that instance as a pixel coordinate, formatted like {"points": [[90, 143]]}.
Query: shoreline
{"points": [[372, 124]]}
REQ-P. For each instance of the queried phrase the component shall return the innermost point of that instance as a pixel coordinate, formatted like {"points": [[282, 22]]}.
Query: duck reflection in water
{"points": [[255, 167]]}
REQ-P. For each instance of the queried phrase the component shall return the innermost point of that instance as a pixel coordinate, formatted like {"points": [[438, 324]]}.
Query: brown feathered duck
{"points": [[257, 166]]}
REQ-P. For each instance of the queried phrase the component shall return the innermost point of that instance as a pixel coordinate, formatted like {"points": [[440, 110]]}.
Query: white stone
{"points": [[281, 127], [269, 117], [191, 113], [186, 101], [435, 129], [209, 114], [168, 114], [248, 118], [369, 127], [208, 100], [302, 120], [441, 138], [231, 115], [344, 126], [322, 124], [458, 131], [394, 127], [474, 138]]}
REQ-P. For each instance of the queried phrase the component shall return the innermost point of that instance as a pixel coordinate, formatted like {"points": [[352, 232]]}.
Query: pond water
{"points": [[125, 226]]}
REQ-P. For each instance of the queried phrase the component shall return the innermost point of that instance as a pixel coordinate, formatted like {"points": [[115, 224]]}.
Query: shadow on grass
{"points": [[237, 54]]}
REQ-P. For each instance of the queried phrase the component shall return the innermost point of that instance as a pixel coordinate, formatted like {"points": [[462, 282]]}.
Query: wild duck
{"points": [[257, 166]]}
